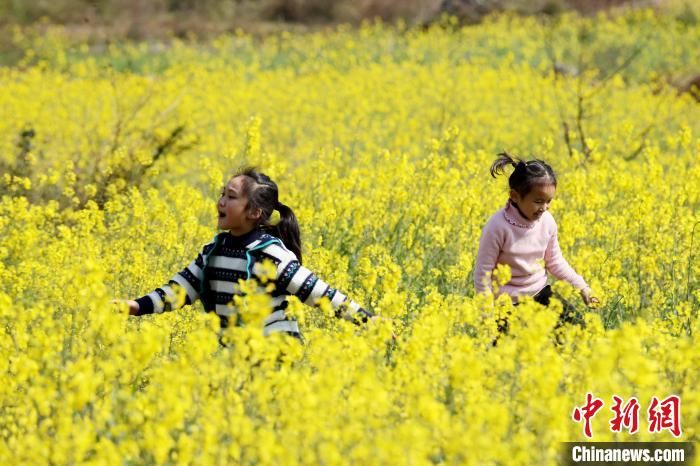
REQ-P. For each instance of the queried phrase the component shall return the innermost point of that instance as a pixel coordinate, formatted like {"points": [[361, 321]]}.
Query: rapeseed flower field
{"points": [[380, 139]]}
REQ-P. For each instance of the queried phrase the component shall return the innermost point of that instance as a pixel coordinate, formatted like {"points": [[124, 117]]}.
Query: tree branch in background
{"points": [[556, 71], [583, 99], [580, 101]]}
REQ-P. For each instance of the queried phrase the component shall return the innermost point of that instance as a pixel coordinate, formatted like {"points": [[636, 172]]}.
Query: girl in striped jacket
{"points": [[245, 207]]}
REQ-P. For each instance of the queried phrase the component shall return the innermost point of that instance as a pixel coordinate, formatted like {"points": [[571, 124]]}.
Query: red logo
{"points": [[586, 412], [665, 415], [625, 416], [662, 415]]}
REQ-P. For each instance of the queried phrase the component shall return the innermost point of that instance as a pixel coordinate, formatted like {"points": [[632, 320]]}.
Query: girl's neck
{"points": [[514, 216], [239, 233], [514, 204]]}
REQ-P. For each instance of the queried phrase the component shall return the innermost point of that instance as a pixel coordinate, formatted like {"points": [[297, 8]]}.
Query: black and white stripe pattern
{"points": [[213, 277]]}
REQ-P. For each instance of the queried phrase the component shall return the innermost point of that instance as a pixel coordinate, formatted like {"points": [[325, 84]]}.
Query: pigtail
{"points": [[288, 230], [501, 161], [525, 174]]}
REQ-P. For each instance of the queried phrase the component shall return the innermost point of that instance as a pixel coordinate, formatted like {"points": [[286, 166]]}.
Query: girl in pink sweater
{"points": [[523, 235]]}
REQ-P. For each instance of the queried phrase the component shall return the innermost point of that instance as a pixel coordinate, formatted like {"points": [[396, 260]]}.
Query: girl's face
{"points": [[536, 202], [234, 214]]}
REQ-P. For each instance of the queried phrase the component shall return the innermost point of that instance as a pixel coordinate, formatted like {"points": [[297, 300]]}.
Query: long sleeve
{"points": [[295, 279], [164, 299], [490, 246], [558, 266]]}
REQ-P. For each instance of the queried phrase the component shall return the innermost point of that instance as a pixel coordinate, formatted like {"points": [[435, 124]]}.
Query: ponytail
{"points": [[501, 161], [525, 174], [288, 230]]}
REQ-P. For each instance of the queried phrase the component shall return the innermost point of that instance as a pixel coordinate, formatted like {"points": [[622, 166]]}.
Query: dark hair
{"points": [[263, 194], [526, 174]]}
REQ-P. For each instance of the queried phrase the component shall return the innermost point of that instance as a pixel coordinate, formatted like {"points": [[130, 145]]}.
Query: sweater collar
{"points": [[515, 218]]}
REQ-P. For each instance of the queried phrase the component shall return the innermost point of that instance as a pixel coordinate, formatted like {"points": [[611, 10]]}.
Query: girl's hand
{"points": [[587, 298], [134, 307]]}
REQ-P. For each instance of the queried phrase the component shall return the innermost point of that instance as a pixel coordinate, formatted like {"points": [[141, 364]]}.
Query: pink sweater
{"points": [[509, 238]]}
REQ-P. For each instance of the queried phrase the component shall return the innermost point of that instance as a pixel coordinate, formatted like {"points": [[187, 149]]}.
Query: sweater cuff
{"points": [[364, 314], [145, 305], [579, 283], [357, 316]]}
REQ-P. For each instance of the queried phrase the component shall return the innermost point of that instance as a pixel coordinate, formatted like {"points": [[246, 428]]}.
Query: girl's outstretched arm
{"points": [[296, 279], [559, 267], [164, 298]]}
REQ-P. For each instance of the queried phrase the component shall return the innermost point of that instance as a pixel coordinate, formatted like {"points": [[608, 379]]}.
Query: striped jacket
{"points": [[213, 278]]}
